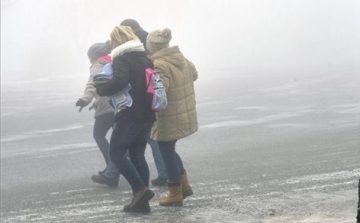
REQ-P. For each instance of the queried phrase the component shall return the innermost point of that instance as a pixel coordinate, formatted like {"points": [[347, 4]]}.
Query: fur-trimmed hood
{"points": [[130, 46]]}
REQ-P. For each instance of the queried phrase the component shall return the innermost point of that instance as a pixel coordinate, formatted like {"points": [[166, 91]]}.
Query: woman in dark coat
{"points": [[132, 124]]}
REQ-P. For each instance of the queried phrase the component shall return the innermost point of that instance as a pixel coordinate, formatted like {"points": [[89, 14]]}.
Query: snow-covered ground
{"points": [[271, 152]]}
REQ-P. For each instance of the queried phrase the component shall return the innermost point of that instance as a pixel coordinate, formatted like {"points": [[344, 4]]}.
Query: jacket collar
{"points": [[129, 46]]}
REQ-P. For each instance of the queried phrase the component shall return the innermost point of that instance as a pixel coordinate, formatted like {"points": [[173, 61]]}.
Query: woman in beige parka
{"points": [[179, 120]]}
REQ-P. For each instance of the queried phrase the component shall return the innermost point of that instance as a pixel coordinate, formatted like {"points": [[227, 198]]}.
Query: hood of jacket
{"points": [[129, 46], [100, 61], [171, 55], [106, 59]]}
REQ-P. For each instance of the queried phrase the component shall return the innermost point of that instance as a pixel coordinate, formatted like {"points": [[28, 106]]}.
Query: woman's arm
{"points": [[193, 70], [90, 90], [120, 79]]}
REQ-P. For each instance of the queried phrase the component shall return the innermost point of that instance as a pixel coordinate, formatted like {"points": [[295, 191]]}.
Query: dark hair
{"points": [[132, 23]]}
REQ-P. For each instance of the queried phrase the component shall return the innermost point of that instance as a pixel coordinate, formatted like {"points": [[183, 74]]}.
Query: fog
{"points": [[45, 39]]}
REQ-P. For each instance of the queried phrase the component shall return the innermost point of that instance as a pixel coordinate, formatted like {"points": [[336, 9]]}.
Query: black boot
{"points": [[159, 182], [102, 179], [103, 171]]}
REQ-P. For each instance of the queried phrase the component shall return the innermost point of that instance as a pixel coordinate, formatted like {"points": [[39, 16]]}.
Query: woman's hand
{"points": [[81, 103]]}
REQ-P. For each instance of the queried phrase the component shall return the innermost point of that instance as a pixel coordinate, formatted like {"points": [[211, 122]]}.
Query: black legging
{"points": [[172, 160]]}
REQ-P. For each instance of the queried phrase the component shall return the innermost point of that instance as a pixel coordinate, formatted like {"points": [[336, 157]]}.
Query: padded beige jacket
{"points": [[178, 74]]}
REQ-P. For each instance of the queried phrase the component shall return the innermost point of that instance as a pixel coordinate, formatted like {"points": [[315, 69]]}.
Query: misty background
{"points": [[47, 39], [235, 45]]}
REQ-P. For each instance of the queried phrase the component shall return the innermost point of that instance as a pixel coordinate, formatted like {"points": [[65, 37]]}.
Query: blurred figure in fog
{"points": [[159, 162], [179, 120], [104, 113]]}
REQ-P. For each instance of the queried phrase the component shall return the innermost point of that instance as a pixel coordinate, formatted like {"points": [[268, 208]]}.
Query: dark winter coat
{"points": [[129, 64]]}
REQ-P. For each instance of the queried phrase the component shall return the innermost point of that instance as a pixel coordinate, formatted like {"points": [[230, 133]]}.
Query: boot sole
{"points": [[175, 204], [138, 210], [142, 211]]}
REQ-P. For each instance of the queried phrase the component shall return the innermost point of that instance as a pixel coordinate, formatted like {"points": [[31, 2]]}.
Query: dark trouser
{"points": [[131, 136], [358, 210], [173, 162], [102, 125], [159, 162]]}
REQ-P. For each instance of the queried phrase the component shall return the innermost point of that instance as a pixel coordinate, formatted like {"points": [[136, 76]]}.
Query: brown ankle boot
{"points": [[174, 197], [186, 188], [139, 198]]}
